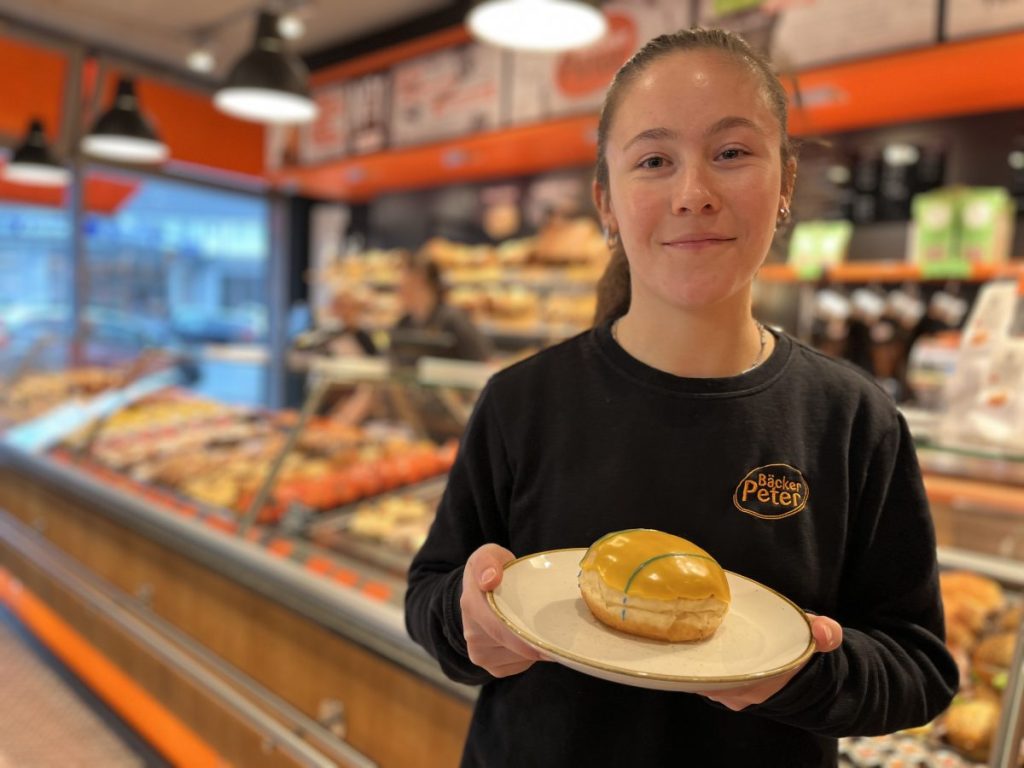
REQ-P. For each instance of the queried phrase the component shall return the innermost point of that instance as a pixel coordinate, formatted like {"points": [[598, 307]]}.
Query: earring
{"points": [[783, 213], [611, 240]]}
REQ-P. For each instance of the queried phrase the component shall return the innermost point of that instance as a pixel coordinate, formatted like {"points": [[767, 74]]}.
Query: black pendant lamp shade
{"points": [[123, 133], [269, 84], [33, 163]]}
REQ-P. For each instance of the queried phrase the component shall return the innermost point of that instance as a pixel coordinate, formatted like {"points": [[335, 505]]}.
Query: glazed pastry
{"points": [[655, 585], [970, 726]]}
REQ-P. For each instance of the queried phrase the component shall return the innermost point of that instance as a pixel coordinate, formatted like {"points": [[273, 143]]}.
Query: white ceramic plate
{"points": [[763, 634]]}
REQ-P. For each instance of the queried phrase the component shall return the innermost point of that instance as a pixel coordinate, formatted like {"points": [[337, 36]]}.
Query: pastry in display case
{"points": [[386, 531], [983, 629], [36, 392], [220, 456], [543, 284]]}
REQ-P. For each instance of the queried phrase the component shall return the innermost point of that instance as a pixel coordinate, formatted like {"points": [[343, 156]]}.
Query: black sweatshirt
{"points": [[800, 474]]}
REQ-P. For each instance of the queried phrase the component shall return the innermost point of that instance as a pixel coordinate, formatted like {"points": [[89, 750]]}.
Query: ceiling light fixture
{"points": [[538, 25], [33, 163], [123, 134], [269, 84]]}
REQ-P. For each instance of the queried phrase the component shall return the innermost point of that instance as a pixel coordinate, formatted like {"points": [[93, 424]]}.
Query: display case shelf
{"points": [[891, 272]]}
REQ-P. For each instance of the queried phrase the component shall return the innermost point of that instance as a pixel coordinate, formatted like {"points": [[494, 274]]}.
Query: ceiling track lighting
{"points": [[201, 58], [33, 163], [291, 25], [123, 134], [537, 25], [269, 84]]}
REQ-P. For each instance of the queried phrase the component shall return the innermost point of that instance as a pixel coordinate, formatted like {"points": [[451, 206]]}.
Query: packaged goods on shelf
{"points": [[985, 395], [818, 245], [960, 226]]}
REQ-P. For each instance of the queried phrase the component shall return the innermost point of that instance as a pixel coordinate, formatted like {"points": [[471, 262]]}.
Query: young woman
{"points": [[684, 414]]}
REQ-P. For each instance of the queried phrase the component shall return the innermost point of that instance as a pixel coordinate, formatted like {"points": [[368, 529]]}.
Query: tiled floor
{"points": [[45, 722]]}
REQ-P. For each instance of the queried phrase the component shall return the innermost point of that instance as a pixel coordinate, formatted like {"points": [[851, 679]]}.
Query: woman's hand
{"points": [[828, 636], [490, 643]]}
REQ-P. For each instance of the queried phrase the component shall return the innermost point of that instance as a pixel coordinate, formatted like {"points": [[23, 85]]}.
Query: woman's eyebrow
{"points": [[651, 134], [733, 121], [724, 124]]}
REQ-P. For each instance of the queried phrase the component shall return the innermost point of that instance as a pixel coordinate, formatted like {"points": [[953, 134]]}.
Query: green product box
{"points": [[817, 245], [986, 225], [934, 232]]}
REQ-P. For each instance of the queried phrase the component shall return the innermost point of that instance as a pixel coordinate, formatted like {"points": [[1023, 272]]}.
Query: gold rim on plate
{"points": [[537, 642]]}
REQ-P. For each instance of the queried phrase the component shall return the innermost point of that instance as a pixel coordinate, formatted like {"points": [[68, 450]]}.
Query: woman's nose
{"points": [[693, 190]]}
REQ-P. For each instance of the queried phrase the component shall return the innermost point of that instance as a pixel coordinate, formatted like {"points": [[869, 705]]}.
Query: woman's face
{"points": [[412, 289], [695, 181]]}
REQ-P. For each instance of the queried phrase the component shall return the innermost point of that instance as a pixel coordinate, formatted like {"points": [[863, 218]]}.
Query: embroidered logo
{"points": [[772, 492]]}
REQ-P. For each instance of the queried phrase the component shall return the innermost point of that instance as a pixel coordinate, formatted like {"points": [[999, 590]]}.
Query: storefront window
{"points": [[173, 264], [35, 284]]}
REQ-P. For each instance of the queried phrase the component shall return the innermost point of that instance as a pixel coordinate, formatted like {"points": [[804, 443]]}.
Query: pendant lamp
{"points": [[269, 84], [537, 25], [123, 134], [33, 163]]}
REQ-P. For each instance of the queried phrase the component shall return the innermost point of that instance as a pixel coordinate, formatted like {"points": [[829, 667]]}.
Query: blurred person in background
{"points": [[429, 326], [342, 335]]}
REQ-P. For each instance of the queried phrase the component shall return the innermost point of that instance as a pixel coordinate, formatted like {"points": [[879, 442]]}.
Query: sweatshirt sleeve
{"points": [[893, 670], [473, 511]]}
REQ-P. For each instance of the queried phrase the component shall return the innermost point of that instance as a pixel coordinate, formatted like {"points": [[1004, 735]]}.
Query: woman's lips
{"points": [[699, 242]]}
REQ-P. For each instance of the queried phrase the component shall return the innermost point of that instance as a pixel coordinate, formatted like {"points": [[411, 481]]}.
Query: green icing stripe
{"points": [[645, 563]]}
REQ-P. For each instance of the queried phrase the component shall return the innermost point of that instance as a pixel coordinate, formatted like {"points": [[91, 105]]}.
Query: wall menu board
{"points": [[453, 92], [550, 85], [797, 35], [369, 107], [353, 120], [965, 18], [326, 137]]}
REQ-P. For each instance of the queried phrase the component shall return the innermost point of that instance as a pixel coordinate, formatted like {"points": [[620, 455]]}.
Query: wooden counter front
{"points": [[392, 716]]}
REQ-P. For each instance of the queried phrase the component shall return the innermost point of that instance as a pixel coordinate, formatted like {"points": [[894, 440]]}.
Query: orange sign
{"points": [[591, 69]]}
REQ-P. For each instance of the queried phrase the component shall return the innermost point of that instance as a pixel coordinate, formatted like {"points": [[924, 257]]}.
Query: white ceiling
{"points": [[163, 32]]}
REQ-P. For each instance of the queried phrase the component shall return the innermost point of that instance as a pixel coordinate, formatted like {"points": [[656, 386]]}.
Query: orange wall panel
{"points": [[102, 194], [511, 152], [33, 87], [971, 77], [198, 133]]}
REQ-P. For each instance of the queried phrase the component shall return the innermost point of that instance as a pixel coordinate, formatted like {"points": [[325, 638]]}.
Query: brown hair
{"points": [[421, 265], [613, 289]]}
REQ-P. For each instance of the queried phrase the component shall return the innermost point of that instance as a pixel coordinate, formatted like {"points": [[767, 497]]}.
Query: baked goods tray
{"points": [[385, 530]]}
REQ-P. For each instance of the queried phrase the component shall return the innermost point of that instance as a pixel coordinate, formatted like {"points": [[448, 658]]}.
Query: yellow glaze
{"points": [[656, 565]]}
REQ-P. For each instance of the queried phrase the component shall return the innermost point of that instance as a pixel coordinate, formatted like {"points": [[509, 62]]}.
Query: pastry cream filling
{"points": [[652, 564]]}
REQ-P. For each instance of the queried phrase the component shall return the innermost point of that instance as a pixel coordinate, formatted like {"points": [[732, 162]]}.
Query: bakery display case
{"points": [[208, 516]]}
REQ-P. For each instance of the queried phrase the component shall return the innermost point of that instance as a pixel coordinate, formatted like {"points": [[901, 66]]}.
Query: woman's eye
{"points": [[653, 162], [732, 154]]}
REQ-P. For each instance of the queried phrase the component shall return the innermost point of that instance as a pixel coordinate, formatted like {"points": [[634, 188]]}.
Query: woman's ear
{"points": [[603, 203]]}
